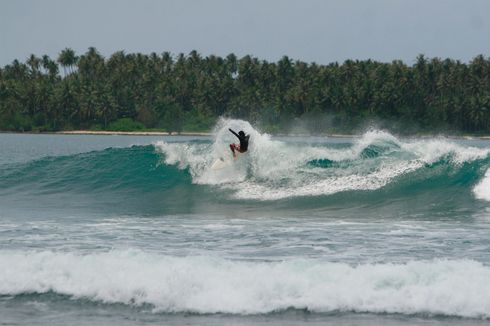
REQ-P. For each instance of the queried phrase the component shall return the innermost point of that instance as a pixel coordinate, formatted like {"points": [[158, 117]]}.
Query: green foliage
{"points": [[125, 124], [188, 93], [172, 118], [148, 117], [17, 122], [97, 127], [197, 121]]}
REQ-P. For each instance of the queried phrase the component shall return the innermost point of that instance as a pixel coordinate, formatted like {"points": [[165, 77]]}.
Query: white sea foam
{"points": [[326, 186], [212, 285], [430, 151], [482, 189], [274, 170]]}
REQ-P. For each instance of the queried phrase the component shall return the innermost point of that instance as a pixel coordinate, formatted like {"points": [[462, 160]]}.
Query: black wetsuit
{"points": [[243, 141]]}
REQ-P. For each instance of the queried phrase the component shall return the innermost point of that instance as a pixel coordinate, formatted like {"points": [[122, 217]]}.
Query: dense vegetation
{"points": [[136, 91]]}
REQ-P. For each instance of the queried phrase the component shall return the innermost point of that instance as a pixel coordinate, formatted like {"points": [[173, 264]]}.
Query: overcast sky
{"points": [[310, 30]]}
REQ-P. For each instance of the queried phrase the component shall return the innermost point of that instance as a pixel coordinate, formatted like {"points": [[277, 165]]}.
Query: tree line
{"points": [[189, 92]]}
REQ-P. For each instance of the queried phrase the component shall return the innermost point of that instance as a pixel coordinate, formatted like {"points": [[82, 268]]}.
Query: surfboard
{"points": [[220, 163]]}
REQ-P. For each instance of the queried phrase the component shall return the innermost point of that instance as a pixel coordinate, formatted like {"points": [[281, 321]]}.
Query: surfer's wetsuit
{"points": [[243, 147]]}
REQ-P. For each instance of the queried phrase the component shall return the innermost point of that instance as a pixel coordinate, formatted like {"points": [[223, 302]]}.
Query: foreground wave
{"points": [[214, 285]]}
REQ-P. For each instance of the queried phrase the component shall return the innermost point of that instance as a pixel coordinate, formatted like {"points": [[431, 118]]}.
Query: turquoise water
{"points": [[139, 230]]}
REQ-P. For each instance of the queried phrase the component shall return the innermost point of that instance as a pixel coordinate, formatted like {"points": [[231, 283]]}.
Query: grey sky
{"points": [[309, 30]]}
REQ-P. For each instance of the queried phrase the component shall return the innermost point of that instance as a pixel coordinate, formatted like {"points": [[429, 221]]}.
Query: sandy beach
{"points": [[133, 133]]}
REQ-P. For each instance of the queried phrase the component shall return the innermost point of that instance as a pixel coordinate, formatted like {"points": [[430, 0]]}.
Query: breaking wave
{"points": [[275, 170], [271, 170], [213, 285]]}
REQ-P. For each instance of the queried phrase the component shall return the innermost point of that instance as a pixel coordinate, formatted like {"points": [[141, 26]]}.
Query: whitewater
{"points": [[126, 230]]}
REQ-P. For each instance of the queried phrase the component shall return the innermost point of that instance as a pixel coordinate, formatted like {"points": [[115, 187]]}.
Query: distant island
{"points": [[162, 92]]}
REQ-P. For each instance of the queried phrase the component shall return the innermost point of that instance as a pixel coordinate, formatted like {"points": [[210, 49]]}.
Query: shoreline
{"points": [[158, 133], [131, 133], [209, 134], [184, 133]]}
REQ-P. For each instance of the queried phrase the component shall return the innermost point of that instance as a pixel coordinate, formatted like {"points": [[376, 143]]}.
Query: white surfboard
{"points": [[220, 163]]}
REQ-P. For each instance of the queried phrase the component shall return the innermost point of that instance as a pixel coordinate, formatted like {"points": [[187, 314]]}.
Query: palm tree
{"points": [[67, 59], [50, 66], [34, 64]]}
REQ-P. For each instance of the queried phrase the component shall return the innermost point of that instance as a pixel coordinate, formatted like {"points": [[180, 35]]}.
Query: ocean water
{"points": [[128, 230]]}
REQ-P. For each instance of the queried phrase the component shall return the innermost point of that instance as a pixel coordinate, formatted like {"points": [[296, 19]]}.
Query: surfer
{"points": [[243, 146]]}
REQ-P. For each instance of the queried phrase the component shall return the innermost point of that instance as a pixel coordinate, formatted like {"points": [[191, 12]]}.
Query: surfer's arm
{"points": [[234, 133]]}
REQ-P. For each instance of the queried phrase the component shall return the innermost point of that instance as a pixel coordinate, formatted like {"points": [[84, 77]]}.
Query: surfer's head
{"points": [[241, 133]]}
